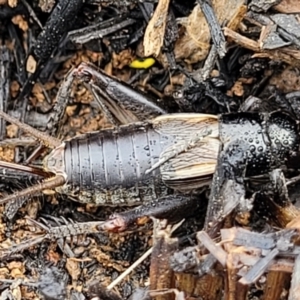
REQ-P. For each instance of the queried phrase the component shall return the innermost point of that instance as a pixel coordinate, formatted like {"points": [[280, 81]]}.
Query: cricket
{"points": [[134, 164]]}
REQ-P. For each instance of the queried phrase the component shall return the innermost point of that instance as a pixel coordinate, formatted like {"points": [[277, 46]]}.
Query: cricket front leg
{"points": [[227, 189]]}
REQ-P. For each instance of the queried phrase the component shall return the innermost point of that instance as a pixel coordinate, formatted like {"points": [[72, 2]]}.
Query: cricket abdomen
{"points": [[138, 162], [110, 166]]}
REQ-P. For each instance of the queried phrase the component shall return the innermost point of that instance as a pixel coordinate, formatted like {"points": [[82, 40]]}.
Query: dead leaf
{"points": [[73, 268], [12, 3], [194, 40], [12, 130], [14, 88], [18, 20], [31, 64]]}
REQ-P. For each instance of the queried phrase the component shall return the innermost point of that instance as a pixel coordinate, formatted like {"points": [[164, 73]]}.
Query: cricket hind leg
{"points": [[20, 197], [173, 208], [120, 103], [125, 104], [46, 139], [58, 111]]}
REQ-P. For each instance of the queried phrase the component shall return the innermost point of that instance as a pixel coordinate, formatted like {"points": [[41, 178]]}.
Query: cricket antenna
{"points": [[46, 139]]}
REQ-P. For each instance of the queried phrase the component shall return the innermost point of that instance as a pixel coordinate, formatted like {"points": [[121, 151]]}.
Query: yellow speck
{"points": [[142, 63]]}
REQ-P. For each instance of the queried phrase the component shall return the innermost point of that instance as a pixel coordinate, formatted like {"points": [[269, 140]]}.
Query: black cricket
{"points": [[137, 163]]}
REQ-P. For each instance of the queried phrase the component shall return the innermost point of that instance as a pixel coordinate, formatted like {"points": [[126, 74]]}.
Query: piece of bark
{"points": [[262, 5], [214, 249], [276, 283], [287, 22], [194, 37], [5, 68], [214, 27], [270, 39], [62, 18], [295, 284], [209, 286], [232, 291], [254, 239], [288, 7], [282, 265], [155, 31], [259, 268], [285, 54], [161, 274]]}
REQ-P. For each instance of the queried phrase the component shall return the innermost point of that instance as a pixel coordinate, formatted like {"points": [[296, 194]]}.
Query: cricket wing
{"points": [[186, 125], [193, 168]]}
